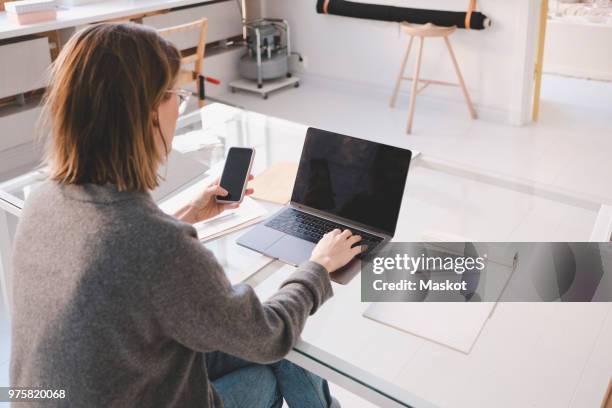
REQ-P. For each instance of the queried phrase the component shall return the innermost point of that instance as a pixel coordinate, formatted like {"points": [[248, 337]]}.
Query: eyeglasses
{"points": [[184, 96]]}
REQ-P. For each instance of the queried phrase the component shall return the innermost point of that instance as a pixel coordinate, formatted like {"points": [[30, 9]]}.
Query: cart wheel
{"points": [[288, 74], [265, 96], [296, 85], [259, 86]]}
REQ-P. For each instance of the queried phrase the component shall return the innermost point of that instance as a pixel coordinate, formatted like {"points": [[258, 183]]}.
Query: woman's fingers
{"points": [[218, 190], [215, 189], [249, 191], [334, 232], [353, 239], [359, 249], [346, 233]]}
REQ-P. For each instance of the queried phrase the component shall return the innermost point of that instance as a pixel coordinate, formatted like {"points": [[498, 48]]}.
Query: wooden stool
{"points": [[422, 31]]}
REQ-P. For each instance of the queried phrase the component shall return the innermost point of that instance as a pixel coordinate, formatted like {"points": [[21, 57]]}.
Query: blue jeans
{"points": [[242, 384]]}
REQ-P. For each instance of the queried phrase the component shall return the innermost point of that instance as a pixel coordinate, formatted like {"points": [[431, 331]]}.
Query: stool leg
{"points": [[398, 82], [415, 84], [466, 95]]}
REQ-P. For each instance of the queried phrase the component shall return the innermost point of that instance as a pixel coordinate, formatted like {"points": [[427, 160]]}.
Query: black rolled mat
{"points": [[398, 14]]}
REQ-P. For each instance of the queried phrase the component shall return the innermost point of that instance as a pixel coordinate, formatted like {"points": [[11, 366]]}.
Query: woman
{"points": [[116, 302]]}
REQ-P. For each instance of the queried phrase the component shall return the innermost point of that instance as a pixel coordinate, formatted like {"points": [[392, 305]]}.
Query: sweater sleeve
{"points": [[198, 307]]}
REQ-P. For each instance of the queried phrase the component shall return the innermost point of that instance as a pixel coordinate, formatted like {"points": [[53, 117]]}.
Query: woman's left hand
{"points": [[205, 205]]}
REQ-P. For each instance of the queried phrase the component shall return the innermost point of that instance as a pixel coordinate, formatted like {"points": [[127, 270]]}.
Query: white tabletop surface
{"points": [[527, 355], [89, 13]]}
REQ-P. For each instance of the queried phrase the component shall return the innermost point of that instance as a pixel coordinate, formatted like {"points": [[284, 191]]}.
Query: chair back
{"points": [[196, 58]]}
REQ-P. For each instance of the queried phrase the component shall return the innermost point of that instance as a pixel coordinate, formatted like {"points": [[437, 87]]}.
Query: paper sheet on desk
{"points": [[452, 324], [249, 213]]}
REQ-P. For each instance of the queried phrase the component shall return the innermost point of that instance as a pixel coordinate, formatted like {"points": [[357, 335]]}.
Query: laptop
{"points": [[342, 182]]}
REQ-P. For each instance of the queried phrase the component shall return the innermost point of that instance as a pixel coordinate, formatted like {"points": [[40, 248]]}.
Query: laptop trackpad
{"points": [[291, 250], [259, 238]]}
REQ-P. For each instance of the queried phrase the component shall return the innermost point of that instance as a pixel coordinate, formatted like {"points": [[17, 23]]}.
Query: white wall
{"points": [[579, 49], [497, 63]]}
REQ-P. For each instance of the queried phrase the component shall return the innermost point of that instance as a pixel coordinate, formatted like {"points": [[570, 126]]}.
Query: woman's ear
{"points": [[156, 118]]}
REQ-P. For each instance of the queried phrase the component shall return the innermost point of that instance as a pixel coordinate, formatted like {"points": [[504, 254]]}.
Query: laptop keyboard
{"points": [[310, 228]]}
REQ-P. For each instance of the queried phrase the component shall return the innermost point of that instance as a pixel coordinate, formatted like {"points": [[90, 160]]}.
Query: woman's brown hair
{"points": [[101, 106]]}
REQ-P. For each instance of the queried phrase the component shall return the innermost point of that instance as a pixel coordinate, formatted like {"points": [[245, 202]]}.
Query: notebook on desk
{"points": [[249, 213]]}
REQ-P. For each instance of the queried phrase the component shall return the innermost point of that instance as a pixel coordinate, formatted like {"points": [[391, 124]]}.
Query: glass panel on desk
{"points": [[17, 189], [232, 126], [239, 263], [273, 139], [438, 204]]}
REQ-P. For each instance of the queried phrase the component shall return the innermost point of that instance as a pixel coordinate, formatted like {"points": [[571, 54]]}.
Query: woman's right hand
{"points": [[334, 250]]}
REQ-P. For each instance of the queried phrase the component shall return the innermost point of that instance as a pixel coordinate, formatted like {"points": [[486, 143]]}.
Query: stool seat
{"points": [[426, 30]]}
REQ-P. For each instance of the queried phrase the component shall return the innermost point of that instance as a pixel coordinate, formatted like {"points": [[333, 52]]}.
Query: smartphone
{"points": [[236, 174]]}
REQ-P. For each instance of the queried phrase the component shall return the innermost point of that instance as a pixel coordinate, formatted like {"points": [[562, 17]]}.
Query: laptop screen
{"points": [[356, 179]]}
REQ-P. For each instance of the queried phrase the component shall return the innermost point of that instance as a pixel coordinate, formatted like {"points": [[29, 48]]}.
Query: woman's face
{"points": [[168, 115]]}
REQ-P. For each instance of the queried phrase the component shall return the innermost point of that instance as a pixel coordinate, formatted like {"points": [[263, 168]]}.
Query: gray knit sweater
{"points": [[115, 301]]}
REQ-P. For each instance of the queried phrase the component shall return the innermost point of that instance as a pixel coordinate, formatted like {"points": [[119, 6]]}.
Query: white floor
{"points": [[570, 147]]}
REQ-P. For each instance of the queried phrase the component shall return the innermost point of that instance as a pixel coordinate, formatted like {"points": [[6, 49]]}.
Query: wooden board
{"points": [[607, 402], [275, 184]]}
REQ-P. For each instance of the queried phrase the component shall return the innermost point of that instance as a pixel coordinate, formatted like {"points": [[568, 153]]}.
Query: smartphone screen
{"points": [[235, 173]]}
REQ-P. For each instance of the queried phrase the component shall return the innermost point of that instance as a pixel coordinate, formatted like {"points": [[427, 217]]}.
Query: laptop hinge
{"points": [[339, 220]]}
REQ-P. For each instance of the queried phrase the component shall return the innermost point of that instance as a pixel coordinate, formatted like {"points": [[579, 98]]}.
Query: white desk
{"points": [[603, 225], [527, 355], [90, 13]]}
